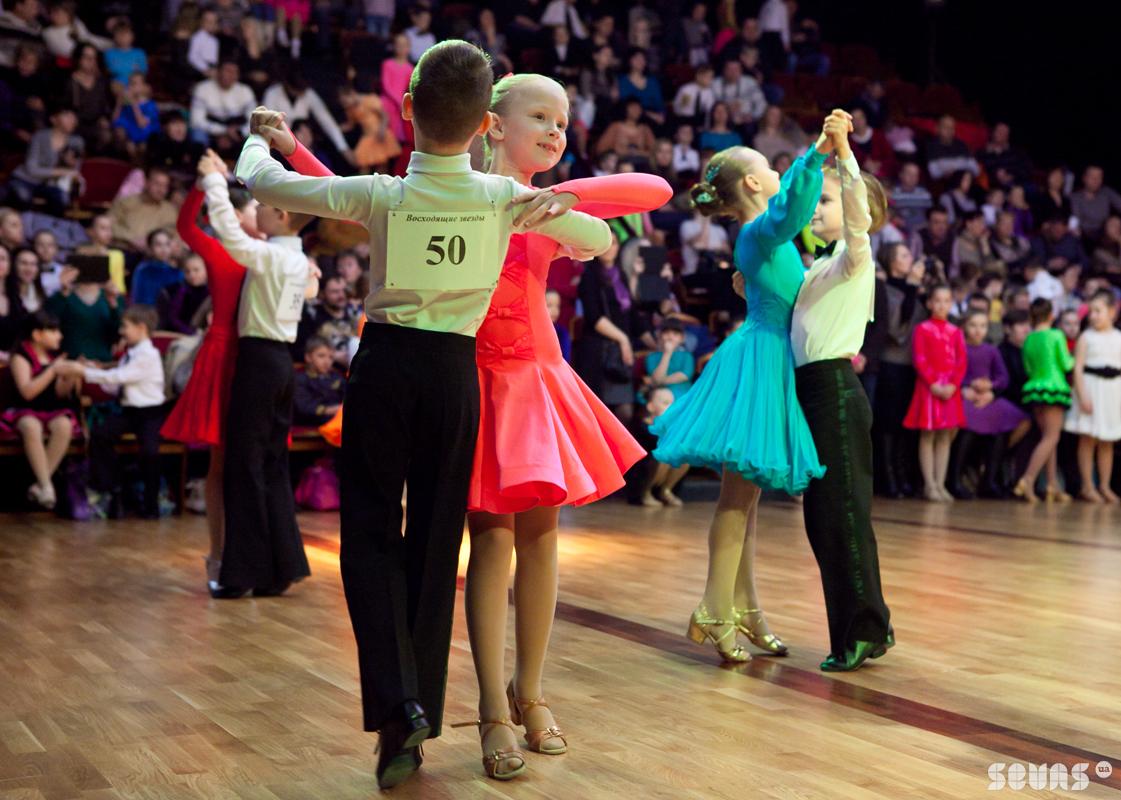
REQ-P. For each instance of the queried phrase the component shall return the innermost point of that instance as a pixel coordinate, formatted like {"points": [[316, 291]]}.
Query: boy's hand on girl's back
{"points": [[738, 285], [541, 206]]}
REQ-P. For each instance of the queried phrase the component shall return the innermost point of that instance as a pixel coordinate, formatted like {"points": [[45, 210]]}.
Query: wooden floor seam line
{"points": [[1024, 747], [942, 526]]}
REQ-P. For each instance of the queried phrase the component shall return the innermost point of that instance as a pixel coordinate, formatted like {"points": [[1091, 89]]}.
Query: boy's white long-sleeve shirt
{"points": [[277, 270], [432, 184], [837, 298], [139, 376]]}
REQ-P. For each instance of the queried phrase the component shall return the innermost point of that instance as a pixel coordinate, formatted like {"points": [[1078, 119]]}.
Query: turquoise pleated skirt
{"points": [[742, 415]]}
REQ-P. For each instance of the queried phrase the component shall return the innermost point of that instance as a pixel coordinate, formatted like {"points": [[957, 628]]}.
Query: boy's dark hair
{"points": [[1106, 296], [41, 320], [980, 298], [672, 324], [240, 197], [987, 278], [61, 107], [975, 312], [314, 343], [297, 221], [156, 232], [939, 287], [969, 216], [451, 90], [930, 212], [1015, 317], [1041, 310], [142, 315]]}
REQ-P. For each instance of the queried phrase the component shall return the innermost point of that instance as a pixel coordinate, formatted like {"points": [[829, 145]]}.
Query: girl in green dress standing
{"points": [[1047, 359]]}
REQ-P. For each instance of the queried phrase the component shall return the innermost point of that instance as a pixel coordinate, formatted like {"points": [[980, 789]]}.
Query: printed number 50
{"points": [[456, 252]]}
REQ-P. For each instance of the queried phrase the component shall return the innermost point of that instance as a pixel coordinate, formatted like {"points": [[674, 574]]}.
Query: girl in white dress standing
{"points": [[1095, 414]]}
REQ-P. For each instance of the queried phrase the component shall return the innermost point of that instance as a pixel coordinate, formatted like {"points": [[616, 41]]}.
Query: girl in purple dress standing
{"points": [[988, 417]]}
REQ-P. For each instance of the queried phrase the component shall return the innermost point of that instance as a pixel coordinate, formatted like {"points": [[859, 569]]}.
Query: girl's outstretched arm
{"points": [[618, 195]]}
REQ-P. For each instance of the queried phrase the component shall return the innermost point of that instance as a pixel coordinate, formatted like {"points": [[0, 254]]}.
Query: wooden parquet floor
{"points": [[120, 677]]}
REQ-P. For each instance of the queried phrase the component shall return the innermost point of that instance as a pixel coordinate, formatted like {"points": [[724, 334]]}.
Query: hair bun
{"points": [[705, 197]]}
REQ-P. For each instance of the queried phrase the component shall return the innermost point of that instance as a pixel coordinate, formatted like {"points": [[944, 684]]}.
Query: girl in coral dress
{"points": [[199, 415], [936, 408], [545, 440]]}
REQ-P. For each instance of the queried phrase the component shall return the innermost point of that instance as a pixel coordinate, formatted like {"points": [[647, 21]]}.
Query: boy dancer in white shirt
{"points": [[139, 379], [438, 238], [833, 308], [263, 551]]}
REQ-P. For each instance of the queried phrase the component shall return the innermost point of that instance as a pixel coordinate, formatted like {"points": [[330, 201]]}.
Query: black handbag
{"points": [[613, 367]]}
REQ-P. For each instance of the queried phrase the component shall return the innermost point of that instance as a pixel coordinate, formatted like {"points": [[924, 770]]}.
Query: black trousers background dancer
{"points": [[263, 549], [834, 305], [838, 513]]}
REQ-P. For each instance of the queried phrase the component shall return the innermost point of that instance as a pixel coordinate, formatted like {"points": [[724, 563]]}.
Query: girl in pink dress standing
{"points": [[396, 71], [936, 408]]}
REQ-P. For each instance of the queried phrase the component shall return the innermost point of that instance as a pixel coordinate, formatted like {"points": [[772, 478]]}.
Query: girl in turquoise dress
{"points": [[742, 416]]}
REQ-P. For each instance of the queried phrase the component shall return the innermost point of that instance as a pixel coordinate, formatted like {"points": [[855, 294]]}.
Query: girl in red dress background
{"points": [[936, 408]]}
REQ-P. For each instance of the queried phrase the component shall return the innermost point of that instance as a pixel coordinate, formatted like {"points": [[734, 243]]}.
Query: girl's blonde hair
{"points": [[500, 100], [721, 191], [877, 196]]}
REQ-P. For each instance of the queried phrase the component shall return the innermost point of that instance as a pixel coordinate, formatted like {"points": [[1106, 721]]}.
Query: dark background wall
{"points": [[1051, 69]]}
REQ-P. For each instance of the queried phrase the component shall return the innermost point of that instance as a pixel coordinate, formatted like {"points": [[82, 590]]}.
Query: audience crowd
{"points": [[105, 109]]}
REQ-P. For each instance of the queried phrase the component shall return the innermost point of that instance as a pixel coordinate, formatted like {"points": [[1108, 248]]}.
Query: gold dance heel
{"points": [[548, 741], [701, 629], [1057, 495], [767, 641], [497, 758], [1024, 492]]}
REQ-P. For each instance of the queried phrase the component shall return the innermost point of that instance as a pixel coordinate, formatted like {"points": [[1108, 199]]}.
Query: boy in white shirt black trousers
{"points": [[834, 305], [139, 376], [140, 379], [263, 551], [438, 239]]}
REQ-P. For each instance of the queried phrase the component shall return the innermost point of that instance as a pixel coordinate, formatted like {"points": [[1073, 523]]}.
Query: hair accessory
{"points": [[704, 196], [711, 172]]}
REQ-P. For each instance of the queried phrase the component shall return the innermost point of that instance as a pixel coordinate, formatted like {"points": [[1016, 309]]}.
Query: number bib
{"points": [[291, 303], [442, 250]]}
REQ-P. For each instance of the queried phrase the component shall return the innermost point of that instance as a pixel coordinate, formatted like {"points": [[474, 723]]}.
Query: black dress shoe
{"points": [[959, 492], [272, 591], [220, 592], [992, 491], [399, 743], [116, 509]]}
